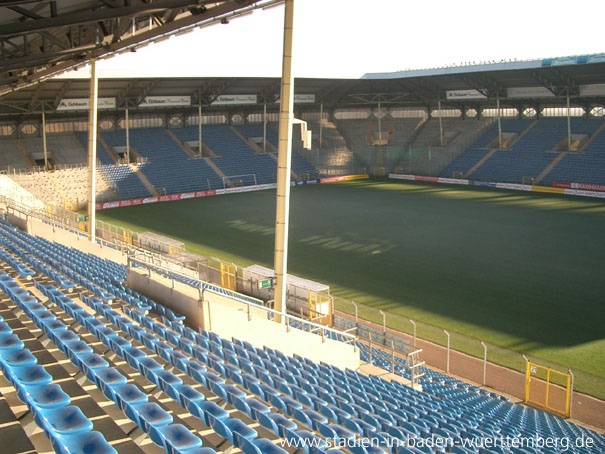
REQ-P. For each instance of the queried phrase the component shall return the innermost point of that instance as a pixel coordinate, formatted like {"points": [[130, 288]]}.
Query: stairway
{"points": [[480, 162], [137, 171]]}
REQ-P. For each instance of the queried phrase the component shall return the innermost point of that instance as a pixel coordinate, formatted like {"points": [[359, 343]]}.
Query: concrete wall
{"points": [[229, 318], [181, 298], [16, 221], [233, 322]]}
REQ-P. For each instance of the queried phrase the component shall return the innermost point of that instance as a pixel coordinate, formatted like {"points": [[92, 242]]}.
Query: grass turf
{"points": [[523, 271]]}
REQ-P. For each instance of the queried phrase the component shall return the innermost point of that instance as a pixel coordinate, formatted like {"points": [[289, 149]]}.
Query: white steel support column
{"points": [[44, 140], [568, 123], [440, 122], [286, 114], [127, 137], [499, 123], [321, 123], [199, 128], [379, 123], [265, 127], [92, 149]]}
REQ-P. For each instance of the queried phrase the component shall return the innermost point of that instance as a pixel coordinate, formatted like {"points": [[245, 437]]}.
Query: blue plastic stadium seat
{"points": [[133, 355], [4, 328], [148, 415], [106, 379], [176, 439], [128, 394], [179, 360], [63, 420], [91, 362], [46, 396], [186, 395], [234, 430], [335, 431], [21, 357], [233, 392], [168, 383], [260, 446], [118, 345], [163, 350], [77, 349], [207, 411], [149, 368], [10, 342], [312, 444], [84, 443], [30, 375], [276, 423]]}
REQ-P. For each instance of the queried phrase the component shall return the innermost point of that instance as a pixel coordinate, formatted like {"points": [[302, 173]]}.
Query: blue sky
{"points": [[347, 38]]}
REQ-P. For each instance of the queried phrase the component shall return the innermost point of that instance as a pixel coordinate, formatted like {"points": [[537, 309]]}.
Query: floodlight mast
{"points": [[284, 163], [92, 148]]}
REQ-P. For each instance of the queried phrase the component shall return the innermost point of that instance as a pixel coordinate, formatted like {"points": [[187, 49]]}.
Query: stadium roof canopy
{"points": [[518, 84], [42, 38]]}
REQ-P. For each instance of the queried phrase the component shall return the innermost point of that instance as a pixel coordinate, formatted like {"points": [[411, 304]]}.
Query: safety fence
{"points": [[456, 353]]}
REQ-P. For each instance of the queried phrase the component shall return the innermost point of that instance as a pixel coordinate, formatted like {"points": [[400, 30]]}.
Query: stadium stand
{"points": [[300, 165], [453, 130], [403, 130], [331, 136], [355, 132], [530, 151], [533, 152], [63, 148], [191, 391], [11, 158], [66, 186], [166, 160], [121, 176], [234, 156], [14, 191], [586, 166]]}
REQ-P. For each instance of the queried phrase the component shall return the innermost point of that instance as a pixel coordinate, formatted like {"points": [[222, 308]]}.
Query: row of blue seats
{"points": [[69, 430], [71, 264], [186, 396], [233, 429], [150, 417]]}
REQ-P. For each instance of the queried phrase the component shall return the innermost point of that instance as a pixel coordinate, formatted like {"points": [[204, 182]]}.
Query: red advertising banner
{"points": [[561, 185], [427, 179]]}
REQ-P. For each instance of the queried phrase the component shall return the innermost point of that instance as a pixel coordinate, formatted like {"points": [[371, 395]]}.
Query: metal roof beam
{"points": [[32, 15], [548, 84], [61, 93], [225, 8], [29, 60], [46, 23]]}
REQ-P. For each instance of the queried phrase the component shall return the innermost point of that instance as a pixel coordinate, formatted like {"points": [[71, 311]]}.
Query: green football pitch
{"points": [[523, 271]]}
